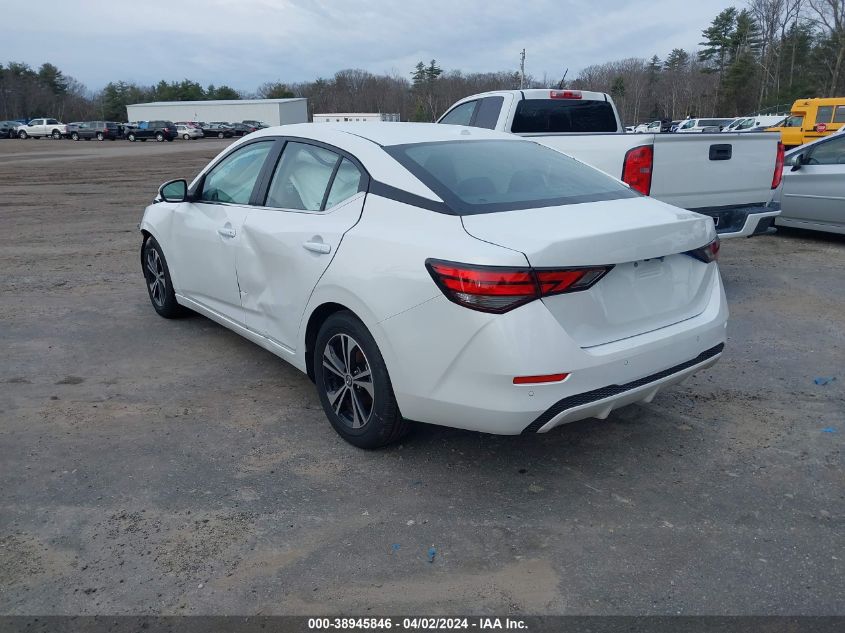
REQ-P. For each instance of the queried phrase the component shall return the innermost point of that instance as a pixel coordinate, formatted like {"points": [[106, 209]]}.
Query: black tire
{"points": [[383, 423], [23, 135], [186, 137], [160, 137], [220, 135], [131, 137], [170, 139], [100, 136], [157, 274], [56, 135], [74, 136]]}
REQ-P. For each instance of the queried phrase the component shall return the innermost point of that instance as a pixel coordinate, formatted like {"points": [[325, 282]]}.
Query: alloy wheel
{"points": [[155, 277], [348, 381]]}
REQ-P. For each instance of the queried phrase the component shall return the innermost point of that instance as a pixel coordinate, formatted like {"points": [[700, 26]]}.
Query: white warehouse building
{"points": [[269, 111], [347, 117]]}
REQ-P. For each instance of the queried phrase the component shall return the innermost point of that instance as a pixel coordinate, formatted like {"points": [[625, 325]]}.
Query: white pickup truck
{"points": [[41, 127], [730, 177]]}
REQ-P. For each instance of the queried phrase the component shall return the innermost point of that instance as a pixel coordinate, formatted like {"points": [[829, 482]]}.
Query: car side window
{"points": [[830, 152], [488, 112], [233, 179], [824, 114], [460, 115], [839, 116], [347, 182], [302, 177], [52, 122]]}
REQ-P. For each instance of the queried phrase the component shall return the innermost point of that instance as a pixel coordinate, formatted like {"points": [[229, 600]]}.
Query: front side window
{"points": [[474, 177], [460, 115], [302, 177], [824, 114], [233, 179], [830, 152], [839, 116], [563, 115]]}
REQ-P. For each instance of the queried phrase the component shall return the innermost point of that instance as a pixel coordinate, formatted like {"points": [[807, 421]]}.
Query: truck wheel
{"points": [[75, 136], [23, 135], [56, 134], [131, 137], [100, 136], [159, 137]]}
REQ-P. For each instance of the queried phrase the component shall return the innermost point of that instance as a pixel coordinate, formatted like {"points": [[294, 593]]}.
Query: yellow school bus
{"points": [[810, 119]]}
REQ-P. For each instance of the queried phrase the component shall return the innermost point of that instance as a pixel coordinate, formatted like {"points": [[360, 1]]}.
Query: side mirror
{"points": [[174, 191], [797, 162]]}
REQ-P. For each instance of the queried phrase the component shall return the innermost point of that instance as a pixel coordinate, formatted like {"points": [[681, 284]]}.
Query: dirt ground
{"points": [[153, 466]]}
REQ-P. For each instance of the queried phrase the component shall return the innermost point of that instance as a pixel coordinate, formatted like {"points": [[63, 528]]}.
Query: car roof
{"points": [[366, 141], [386, 133]]}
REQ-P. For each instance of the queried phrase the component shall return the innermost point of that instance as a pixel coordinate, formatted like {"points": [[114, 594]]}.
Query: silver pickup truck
{"points": [[729, 177]]}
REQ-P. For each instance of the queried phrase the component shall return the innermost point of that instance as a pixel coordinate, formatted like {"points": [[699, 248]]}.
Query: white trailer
{"points": [[269, 111]]}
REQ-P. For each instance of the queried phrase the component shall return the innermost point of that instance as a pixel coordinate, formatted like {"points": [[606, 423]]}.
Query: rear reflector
{"points": [[636, 170], [708, 253], [778, 167], [533, 380], [498, 289], [564, 94]]}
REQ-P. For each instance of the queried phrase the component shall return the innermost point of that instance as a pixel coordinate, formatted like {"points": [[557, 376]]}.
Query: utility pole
{"points": [[522, 70]]}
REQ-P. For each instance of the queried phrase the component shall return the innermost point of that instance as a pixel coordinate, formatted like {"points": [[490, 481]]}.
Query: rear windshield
{"points": [[563, 115], [489, 176]]}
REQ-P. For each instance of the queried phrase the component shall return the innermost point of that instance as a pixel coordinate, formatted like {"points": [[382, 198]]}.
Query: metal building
{"points": [[269, 111], [351, 117]]}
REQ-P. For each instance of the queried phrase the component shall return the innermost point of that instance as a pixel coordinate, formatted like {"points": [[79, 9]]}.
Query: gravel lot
{"points": [[153, 466]]}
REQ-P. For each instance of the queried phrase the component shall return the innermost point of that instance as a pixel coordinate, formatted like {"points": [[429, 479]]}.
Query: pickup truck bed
{"points": [[729, 177]]}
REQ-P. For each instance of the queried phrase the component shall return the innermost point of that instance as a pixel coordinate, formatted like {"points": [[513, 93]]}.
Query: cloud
{"points": [[244, 43]]}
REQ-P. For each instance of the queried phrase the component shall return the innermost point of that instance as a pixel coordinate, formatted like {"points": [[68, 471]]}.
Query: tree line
{"points": [[762, 56]]}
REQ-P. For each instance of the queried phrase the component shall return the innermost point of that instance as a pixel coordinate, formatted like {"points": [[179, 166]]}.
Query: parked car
{"points": [[39, 128], [702, 125], [218, 130], [87, 130], [8, 129], [731, 180], [159, 130], [753, 123], [811, 119], [241, 129], [813, 189], [459, 277], [260, 125], [188, 132]]}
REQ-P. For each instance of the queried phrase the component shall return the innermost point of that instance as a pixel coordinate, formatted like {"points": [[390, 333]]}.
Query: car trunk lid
{"points": [[653, 284]]}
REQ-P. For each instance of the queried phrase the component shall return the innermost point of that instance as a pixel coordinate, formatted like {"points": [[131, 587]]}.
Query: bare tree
{"points": [[829, 15]]}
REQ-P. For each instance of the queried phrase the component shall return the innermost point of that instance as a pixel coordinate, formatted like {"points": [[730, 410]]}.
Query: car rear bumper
{"points": [[743, 220], [455, 367]]}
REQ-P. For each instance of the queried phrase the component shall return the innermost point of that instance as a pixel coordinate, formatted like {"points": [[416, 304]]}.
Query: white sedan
{"points": [[442, 274]]}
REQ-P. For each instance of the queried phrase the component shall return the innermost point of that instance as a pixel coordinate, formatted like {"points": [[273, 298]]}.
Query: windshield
{"points": [[794, 121], [489, 176]]}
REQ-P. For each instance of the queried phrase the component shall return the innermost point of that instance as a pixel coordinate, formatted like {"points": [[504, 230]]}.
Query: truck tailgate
{"points": [[713, 170]]}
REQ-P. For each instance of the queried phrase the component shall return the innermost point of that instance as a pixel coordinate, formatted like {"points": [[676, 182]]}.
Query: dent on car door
{"points": [[314, 196], [816, 191], [206, 230]]}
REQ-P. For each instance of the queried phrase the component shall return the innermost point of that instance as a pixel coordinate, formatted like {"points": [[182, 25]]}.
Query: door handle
{"points": [[317, 247], [226, 232]]}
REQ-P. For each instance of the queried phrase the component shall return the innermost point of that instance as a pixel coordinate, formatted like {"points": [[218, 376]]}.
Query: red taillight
{"points": [[707, 253], [778, 175], [564, 94], [636, 170], [498, 289]]}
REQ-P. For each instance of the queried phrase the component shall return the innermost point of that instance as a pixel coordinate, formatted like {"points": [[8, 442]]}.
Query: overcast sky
{"points": [[243, 43]]}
